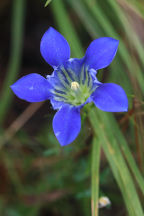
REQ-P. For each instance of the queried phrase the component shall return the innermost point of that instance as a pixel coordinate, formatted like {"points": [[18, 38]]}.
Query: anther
{"points": [[74, 86]]}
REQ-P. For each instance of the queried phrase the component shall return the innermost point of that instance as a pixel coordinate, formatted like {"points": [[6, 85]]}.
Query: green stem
{"points": [[15, 55], [95, 176]]}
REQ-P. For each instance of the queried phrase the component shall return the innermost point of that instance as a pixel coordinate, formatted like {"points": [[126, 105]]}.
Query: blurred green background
{"points": [[37, 176]]}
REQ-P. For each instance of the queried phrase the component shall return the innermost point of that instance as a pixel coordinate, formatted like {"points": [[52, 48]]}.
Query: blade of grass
{"points": [[112, 163], [17, 28], [95, 176], [102, 19], [113, 150], [47, 3], [116, 132], [132, 37], [88, 23]]}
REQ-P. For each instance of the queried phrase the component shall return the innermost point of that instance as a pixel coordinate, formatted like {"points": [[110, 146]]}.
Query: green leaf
{"points": [[17, 29]]}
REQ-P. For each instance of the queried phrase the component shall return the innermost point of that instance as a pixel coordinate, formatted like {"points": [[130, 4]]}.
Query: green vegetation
{"points": [[38, 177]]}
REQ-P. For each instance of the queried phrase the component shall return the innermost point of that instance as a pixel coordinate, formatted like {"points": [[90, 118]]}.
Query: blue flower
{"points": [[73, 83]]}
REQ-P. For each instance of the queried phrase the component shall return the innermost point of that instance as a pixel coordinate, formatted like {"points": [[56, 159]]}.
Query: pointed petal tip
{"points": [[116, 42], [50, 29], [62, 144], [12, 87], [125, 109]]}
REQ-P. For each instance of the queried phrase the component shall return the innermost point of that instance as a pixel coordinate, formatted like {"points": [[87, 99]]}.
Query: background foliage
{"points": [[37, 176]]}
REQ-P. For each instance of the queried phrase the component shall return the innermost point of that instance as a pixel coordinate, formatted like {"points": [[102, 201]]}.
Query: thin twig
{"points": [[20, 121]]}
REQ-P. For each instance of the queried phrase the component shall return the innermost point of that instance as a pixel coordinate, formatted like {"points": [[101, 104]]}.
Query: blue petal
{"points": [[110, 97], [67, 124], [32, 88], [54, 48], [101, 52]]}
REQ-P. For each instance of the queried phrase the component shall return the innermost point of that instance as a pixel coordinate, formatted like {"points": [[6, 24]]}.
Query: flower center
{"points": [[74, 88]]}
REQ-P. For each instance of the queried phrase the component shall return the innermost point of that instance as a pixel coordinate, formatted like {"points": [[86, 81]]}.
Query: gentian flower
{"points": [[73, 83]]}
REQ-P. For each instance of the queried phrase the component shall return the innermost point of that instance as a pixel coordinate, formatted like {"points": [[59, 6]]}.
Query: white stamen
{"points": [[74, 86]]}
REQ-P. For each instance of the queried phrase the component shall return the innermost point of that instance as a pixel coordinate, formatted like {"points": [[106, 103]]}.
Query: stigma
{"points": [[74, 86]]}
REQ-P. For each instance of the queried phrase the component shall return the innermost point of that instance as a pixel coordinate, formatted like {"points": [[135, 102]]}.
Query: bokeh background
{"points": [[37, 176]]}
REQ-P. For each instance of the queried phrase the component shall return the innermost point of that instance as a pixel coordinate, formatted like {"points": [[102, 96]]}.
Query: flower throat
{"points": [[75, 89]]}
